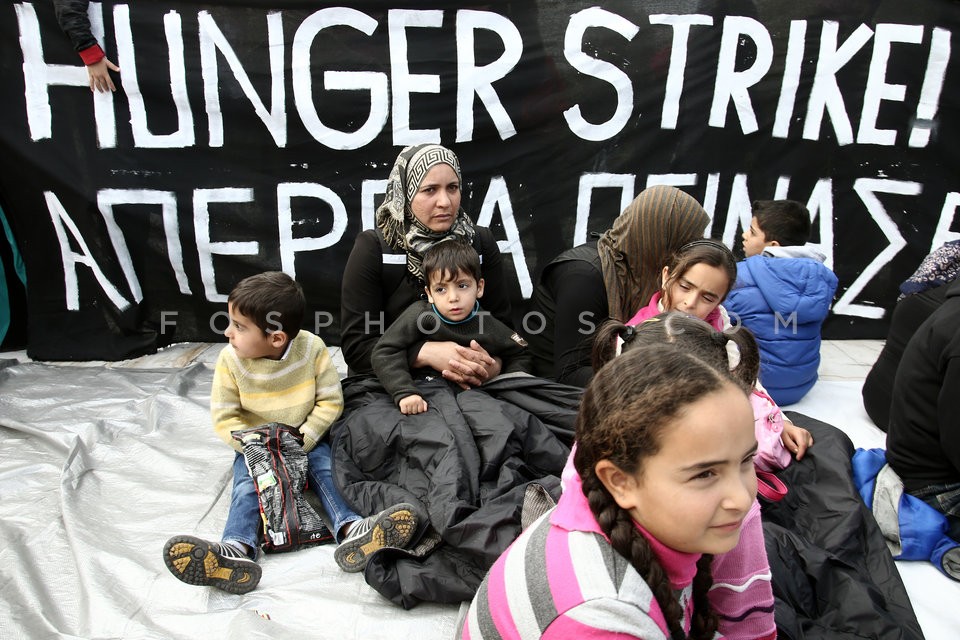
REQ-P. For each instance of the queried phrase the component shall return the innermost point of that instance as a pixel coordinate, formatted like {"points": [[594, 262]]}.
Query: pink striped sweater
{"points": [[562, 579], [741, 595]]}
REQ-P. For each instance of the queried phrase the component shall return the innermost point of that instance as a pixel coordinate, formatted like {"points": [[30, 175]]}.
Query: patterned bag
{"points": [[278, 465]]}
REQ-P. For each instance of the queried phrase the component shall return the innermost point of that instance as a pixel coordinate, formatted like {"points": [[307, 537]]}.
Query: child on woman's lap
{"points": [[451, 313]]}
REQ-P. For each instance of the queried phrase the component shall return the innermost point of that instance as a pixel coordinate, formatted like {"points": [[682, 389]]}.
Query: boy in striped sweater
{"points": [[273, 371]]}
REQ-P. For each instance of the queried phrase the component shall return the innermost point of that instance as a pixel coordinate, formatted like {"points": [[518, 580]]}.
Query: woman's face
{"points": [[697, 291], [694, 494], [437, 200]]}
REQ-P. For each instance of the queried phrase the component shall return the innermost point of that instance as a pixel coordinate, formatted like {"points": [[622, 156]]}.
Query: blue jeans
{"points": [[243, 520]]}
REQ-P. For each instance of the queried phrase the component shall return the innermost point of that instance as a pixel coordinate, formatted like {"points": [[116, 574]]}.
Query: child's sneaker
{"points": [[214, 564], [392, 527]]}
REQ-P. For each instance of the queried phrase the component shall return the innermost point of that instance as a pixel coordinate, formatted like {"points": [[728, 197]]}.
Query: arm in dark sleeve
{"points": [[948, 412], [362, 315], [581, 306], [515, 357], [519, 360], [74, 21], [389, 356], [496, 294]]}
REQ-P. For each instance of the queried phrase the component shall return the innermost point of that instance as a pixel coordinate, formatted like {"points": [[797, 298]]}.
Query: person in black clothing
{"points": [[609, 278], [383, 275], [923, 438], [920, 295], [450, 312], [908, 314], [73, 19]]}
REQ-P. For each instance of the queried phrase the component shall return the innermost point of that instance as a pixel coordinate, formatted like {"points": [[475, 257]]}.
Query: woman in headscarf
{"points": [[383, 276], [609, 278]]}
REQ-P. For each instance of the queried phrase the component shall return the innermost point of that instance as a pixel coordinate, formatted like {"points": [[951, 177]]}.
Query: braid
{"points": [[630, 543], [624, 412], [704, 624]]}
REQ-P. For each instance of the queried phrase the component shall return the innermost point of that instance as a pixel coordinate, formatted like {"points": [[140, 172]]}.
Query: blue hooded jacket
{"points": [[783, 297]]}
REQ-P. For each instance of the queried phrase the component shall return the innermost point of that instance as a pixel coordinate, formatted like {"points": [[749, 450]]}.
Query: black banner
{"points": [[253, 136]]}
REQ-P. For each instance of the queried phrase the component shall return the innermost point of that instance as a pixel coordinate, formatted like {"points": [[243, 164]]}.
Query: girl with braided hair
{"points": [[665, 463], [741, 595]]}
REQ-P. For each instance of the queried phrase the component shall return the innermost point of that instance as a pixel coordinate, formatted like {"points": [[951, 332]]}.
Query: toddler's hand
{"points": [[796, 439], [412, 404]]}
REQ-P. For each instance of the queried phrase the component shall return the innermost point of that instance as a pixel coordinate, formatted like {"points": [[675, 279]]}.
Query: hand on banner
{"points": [[99, 73]]}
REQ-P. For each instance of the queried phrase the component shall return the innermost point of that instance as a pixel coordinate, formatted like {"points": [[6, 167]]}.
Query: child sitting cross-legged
{"points": [[275, 372], [451, 312]]}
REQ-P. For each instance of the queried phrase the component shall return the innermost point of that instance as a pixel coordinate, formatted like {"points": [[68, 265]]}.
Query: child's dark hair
{"points": [[703, 251], [624, 412], [784, 221], [689, 334], [449, 257], [272, 300]]}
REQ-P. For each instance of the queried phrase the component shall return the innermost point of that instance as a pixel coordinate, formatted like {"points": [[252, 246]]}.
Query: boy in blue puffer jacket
{"points": [[783, 293]]}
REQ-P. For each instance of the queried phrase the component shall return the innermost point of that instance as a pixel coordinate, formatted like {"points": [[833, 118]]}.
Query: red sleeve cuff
{"points": [[92, 55]]}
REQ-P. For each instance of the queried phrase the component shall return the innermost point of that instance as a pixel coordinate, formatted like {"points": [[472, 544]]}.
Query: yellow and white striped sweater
{"points": [[302, 390]]}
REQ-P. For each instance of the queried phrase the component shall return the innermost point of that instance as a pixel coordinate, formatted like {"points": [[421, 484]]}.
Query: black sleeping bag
{"points": [[465, 464], [833, 576]]}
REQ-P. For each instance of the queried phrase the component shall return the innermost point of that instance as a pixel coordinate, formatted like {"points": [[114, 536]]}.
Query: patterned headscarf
{"points": [[635, 249], [938, 268], [395, 219]]}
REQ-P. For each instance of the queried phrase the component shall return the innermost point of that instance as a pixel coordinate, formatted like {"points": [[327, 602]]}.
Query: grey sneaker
{"points": [[392, 527], [214, 564]]}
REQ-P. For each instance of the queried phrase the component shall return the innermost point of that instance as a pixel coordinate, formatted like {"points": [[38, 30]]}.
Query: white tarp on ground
{"points": [[100, 464], [98, 467]]}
